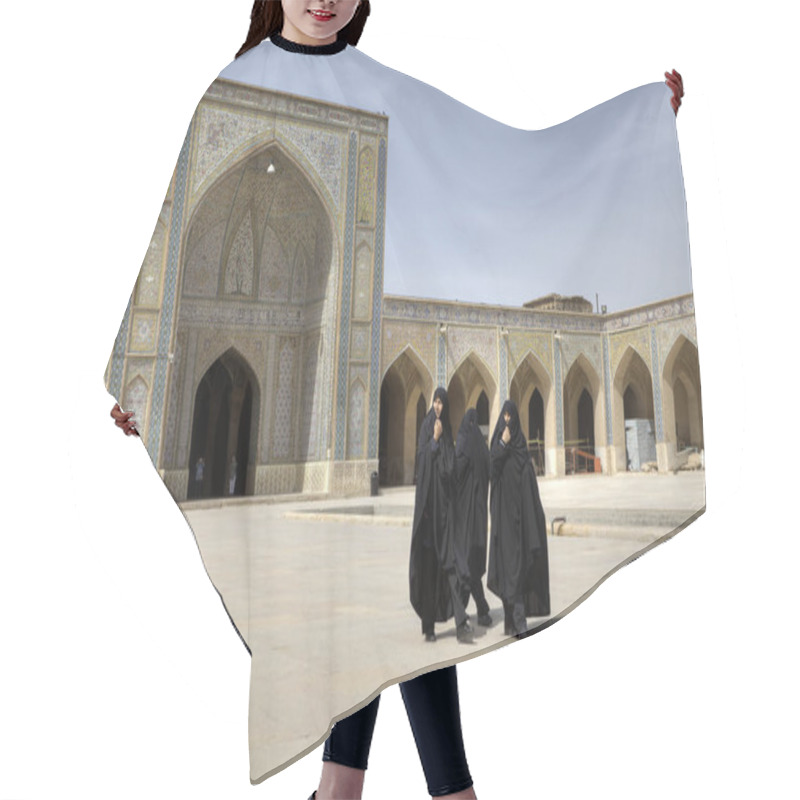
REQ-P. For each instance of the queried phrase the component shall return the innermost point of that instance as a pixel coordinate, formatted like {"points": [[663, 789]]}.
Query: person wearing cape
{"points": [[461, 193], [518, 567], [437, 569], [471, 507]]}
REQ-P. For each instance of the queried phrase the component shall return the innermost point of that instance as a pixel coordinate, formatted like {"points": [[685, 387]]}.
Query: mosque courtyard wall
{"points": [[261, 356]]}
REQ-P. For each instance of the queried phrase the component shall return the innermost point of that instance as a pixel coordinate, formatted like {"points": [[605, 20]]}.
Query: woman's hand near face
{"points": [[124, 420], [506, 435], [437, 429], [675, 82]]}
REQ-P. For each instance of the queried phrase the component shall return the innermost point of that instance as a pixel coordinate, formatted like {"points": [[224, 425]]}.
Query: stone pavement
{"points": [[321, 596]]}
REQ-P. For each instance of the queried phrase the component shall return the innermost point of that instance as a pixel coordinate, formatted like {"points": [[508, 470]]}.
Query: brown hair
{"points": [[266, 18]]}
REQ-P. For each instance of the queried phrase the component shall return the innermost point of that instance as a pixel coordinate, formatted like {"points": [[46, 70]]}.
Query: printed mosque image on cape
{"points": [[303, 297]]}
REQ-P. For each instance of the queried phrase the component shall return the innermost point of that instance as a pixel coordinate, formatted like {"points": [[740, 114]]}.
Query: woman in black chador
{"points": [[436, 569], [518, 568], [471, 511]]}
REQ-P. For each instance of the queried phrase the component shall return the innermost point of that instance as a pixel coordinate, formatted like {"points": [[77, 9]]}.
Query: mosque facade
{"points": [[259, 344]]}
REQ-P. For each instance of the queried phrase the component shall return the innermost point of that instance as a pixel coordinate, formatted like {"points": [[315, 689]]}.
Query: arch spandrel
{"points": [[468, 380], [583, 381], [322, 152], [461, 341], [409, 363], [420, 337], [682, 396], [582, 372], [668, 333], [275, 221], [590, 347], [222, 139], [531, 369], [280, 149], [212, 345], [530, 377], [682, 349], [406, 389], [630, 363], [520, 343], [638, 340]]}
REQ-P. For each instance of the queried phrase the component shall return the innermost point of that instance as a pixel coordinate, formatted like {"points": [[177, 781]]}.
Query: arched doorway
{"points": [[256, 261], [581, 417], [406, 390], [586, 420], [681, 397], [471, 380], [223, 429], [530, 390], [634, 417]]}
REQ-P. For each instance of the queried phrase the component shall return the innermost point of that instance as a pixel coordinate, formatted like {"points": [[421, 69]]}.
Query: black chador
{"points": [[436, 570], [518, 567], [471, 507]]}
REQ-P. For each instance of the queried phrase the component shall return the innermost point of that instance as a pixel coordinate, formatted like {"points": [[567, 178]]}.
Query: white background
{"points": [[120, 676]]}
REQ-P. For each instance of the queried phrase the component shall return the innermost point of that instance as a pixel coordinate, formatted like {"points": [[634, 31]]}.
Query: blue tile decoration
{"points": [[504, 365], [607, 387], [118, 354], [346, 301], [170, 292], [377, 306], [559, 394], [441, 359], [656, 373]]}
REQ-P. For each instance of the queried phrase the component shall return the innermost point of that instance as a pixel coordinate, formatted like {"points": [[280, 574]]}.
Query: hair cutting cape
{"points": [[338, 239]]}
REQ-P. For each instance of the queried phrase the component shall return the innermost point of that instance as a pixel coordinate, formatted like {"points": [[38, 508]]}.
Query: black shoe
{"points": [[313, 795], [485, 620], [464, 632], [430, 636]]}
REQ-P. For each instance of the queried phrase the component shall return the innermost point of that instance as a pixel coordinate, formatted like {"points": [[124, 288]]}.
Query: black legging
{"points": [[432, 706]]}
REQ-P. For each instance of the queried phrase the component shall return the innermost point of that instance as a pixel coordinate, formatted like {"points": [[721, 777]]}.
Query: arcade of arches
{"points": [[261, 355], [576, 377]]}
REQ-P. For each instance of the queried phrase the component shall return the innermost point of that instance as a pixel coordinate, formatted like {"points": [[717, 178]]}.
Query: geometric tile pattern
{"points": [[653, 312], [222, 136], [135, 399], [355, 423], [637, 339], [607, 383], [323, 152], [377, 306], [460, 341], [397, 336], [559, 395], [668, 332], [588, 346], [143, 332], [656, 373], [118, 353], [346, 301], [441, 365], [148, 284], [366, 185], [520, 343], [503, 388], [168, 301], [284, 401]]}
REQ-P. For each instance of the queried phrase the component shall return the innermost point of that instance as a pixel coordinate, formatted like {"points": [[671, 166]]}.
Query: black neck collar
{"points": [[308, 49]]}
